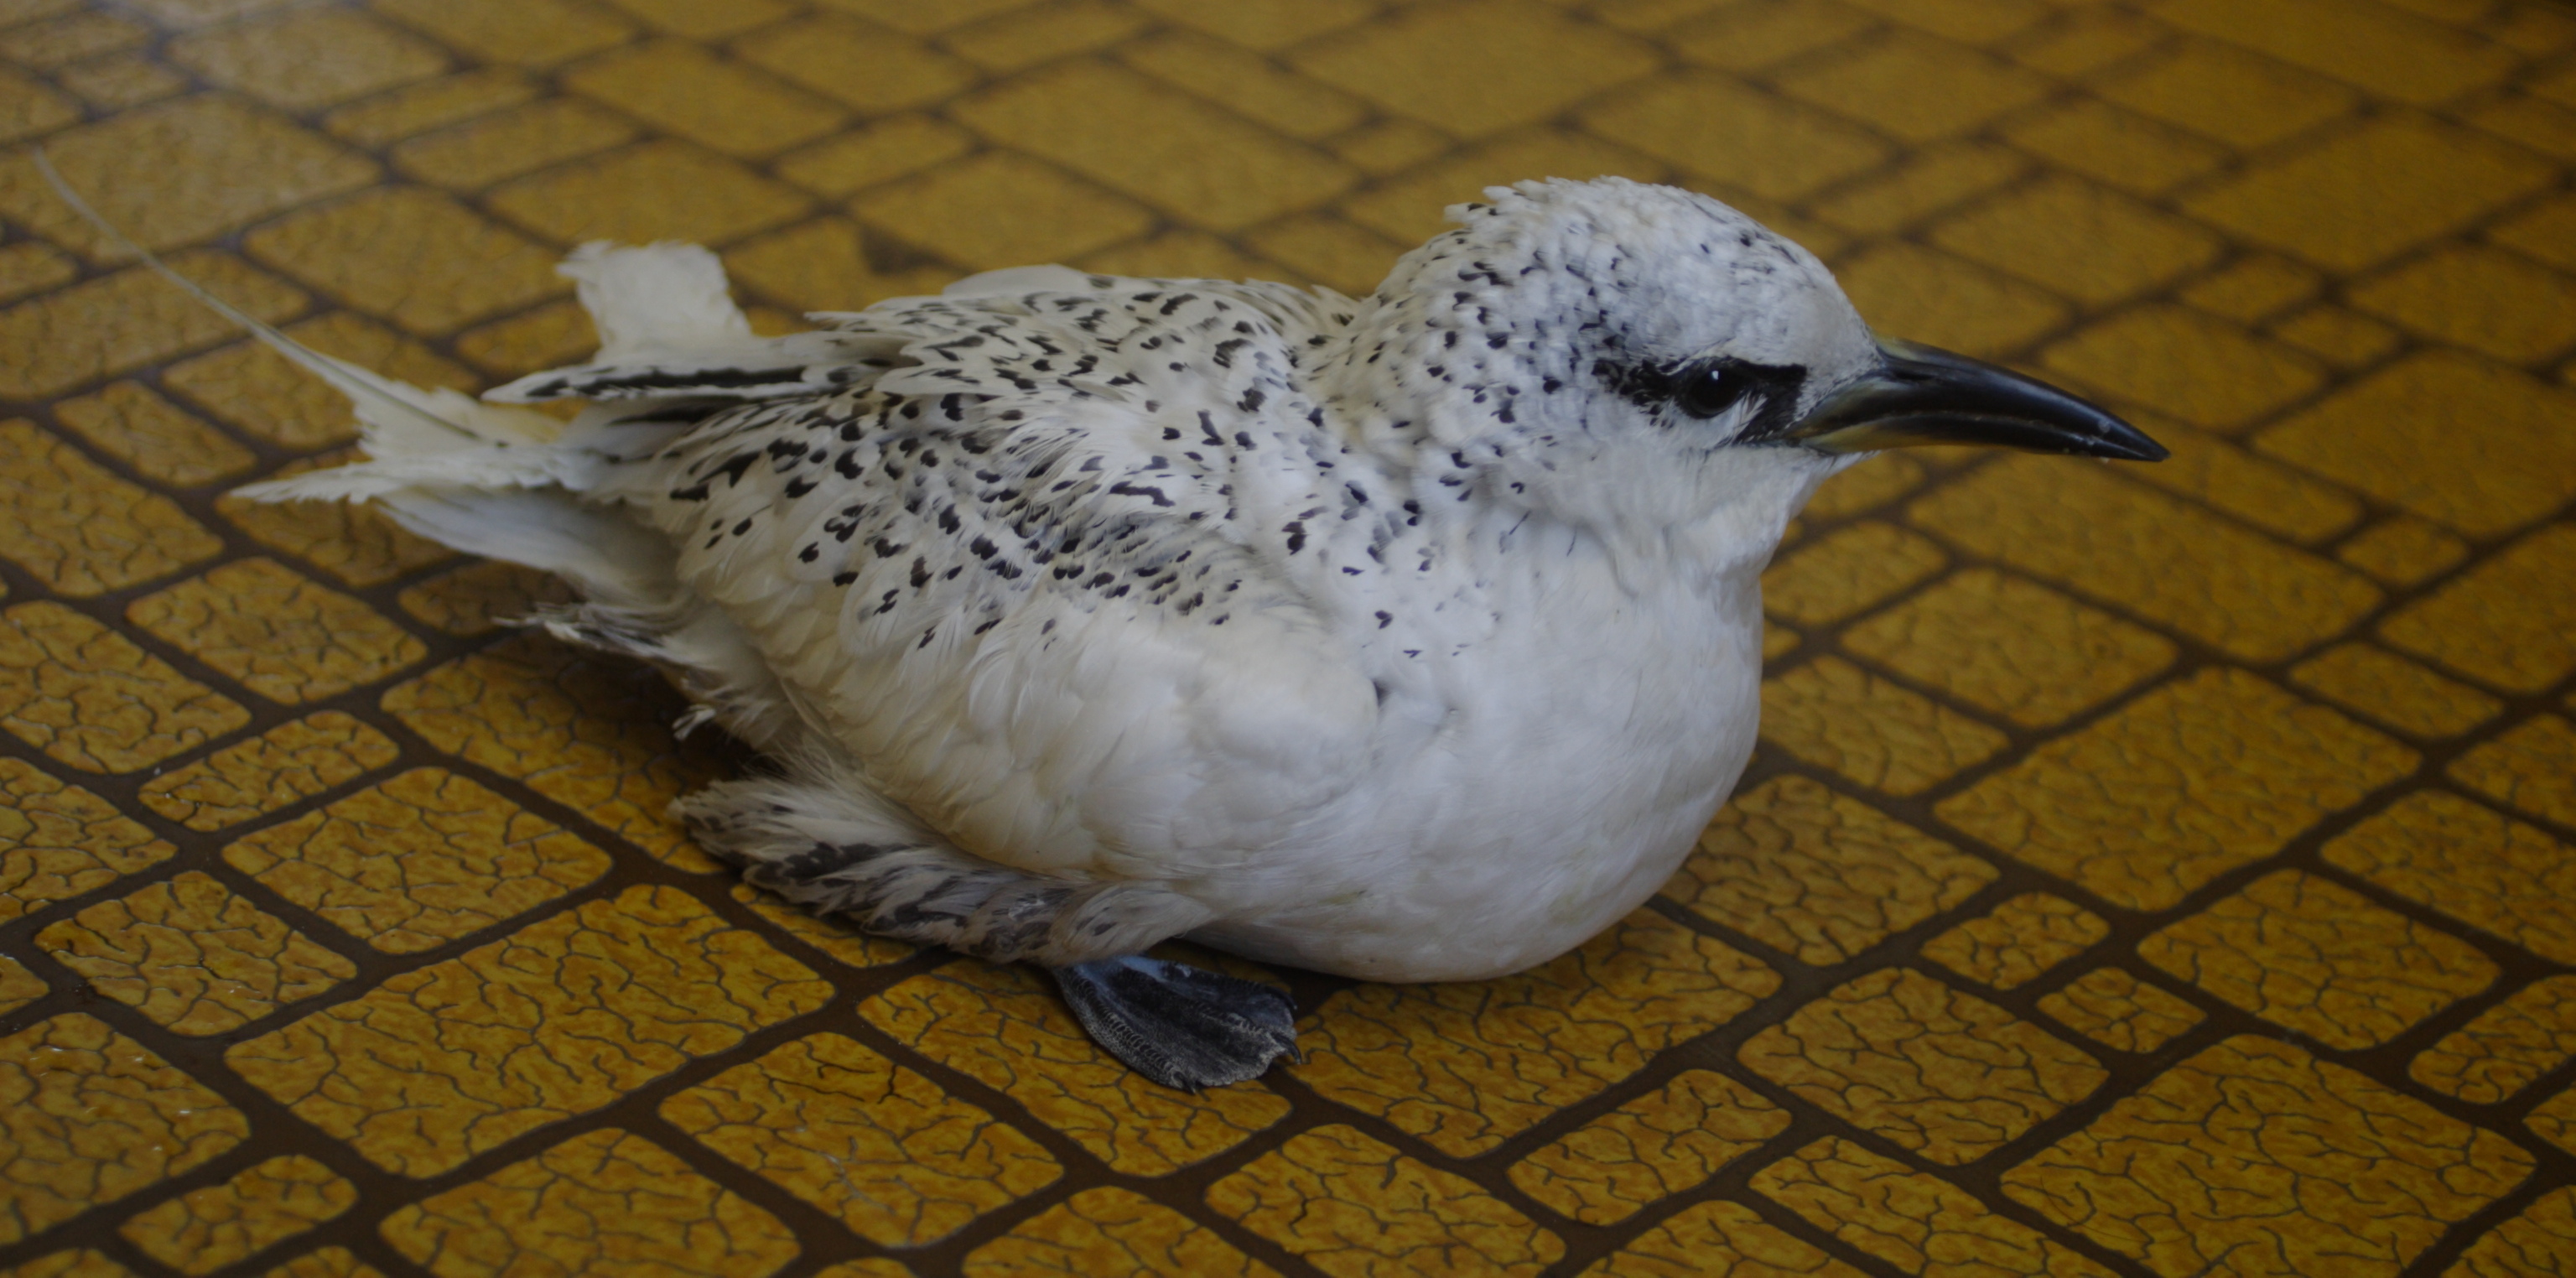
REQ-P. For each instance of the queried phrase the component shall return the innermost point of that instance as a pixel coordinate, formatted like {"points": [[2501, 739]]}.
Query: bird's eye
{"points": [[1705, 391]]}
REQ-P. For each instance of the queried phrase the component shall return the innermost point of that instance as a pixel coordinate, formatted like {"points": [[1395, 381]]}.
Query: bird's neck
{"points": [[1657, 527], [1427, 366], [1657, 510]]}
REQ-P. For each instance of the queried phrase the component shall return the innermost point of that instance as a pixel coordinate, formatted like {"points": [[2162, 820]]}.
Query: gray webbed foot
{"points": [[1181, 1026]]}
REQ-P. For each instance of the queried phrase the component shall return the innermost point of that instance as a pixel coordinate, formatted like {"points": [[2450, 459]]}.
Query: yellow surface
{"points": [[2147, 871]]}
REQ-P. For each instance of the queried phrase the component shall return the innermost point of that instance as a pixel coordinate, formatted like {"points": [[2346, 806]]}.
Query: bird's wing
{"points": [[1011, 576], [668, 329], [747, 368]]}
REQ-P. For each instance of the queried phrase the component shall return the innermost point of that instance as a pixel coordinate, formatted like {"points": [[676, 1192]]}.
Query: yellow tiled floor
{"points": [[2147, 871]]}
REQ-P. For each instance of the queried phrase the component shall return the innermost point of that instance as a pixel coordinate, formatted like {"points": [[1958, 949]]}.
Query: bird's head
{"points": [[1643, 360]]}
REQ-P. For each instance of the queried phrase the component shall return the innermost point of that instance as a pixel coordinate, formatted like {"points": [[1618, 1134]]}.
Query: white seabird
{"points": [[1412, 638]]}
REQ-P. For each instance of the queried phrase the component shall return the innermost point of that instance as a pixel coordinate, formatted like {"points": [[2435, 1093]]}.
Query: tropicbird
{"points": [[1412, 638]]}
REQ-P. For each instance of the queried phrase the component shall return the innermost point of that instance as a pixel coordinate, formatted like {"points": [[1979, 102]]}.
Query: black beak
{"points": [[1920, 395]]}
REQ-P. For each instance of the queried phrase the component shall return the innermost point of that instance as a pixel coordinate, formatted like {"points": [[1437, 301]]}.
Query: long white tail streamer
{"points": [[362, 386]]}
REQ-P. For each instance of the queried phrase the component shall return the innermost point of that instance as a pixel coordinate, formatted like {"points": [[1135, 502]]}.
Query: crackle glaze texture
{"points": [[2147, 871]]}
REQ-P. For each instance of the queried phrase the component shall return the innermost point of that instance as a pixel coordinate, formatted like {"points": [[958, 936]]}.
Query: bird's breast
{"points": [[1546, 783]]}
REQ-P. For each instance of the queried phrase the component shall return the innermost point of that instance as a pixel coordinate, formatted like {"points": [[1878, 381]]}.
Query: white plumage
{"points": [[1412, 638]]}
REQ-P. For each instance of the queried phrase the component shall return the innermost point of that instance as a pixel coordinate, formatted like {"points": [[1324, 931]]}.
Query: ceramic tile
{"points": [[276, 632], [1910, 1219], [1354, 1207], [444, 1062], [1110, 1230], [2119, 1011], [1662, 1143], [208, 1229], [1467, 1065], [1820, 876], [1938, 1072], [90, 699], [284, 765], [2018, 941], [70, 1079], [192, 955], [2507, 1048], [2319, 959], [610, 1203], [883, 1148], [2134, 809], [1721, 1235], [2133, 1180], [418, 861], [78, 528], [2040, 657]]}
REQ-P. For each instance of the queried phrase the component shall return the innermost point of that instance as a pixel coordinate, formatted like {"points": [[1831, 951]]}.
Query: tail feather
{"points": [[379, 398], [507, 483], [609, 559], [385, 475], [410, 434], [660, 297], [668, 327]]}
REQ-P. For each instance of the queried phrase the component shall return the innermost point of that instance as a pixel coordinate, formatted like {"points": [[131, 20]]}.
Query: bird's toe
{"points": [[1181, 1026]]}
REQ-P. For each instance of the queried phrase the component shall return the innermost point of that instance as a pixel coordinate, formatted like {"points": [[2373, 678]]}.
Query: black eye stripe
{"points": [[1705, 388], [1645, 385]]}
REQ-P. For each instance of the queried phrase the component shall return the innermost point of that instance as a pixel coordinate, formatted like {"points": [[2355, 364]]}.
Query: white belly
{"points": [[1517, 833]]}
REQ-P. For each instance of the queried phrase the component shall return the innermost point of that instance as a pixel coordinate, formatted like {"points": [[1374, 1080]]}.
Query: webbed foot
{"points": [[1181, 1026]]}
